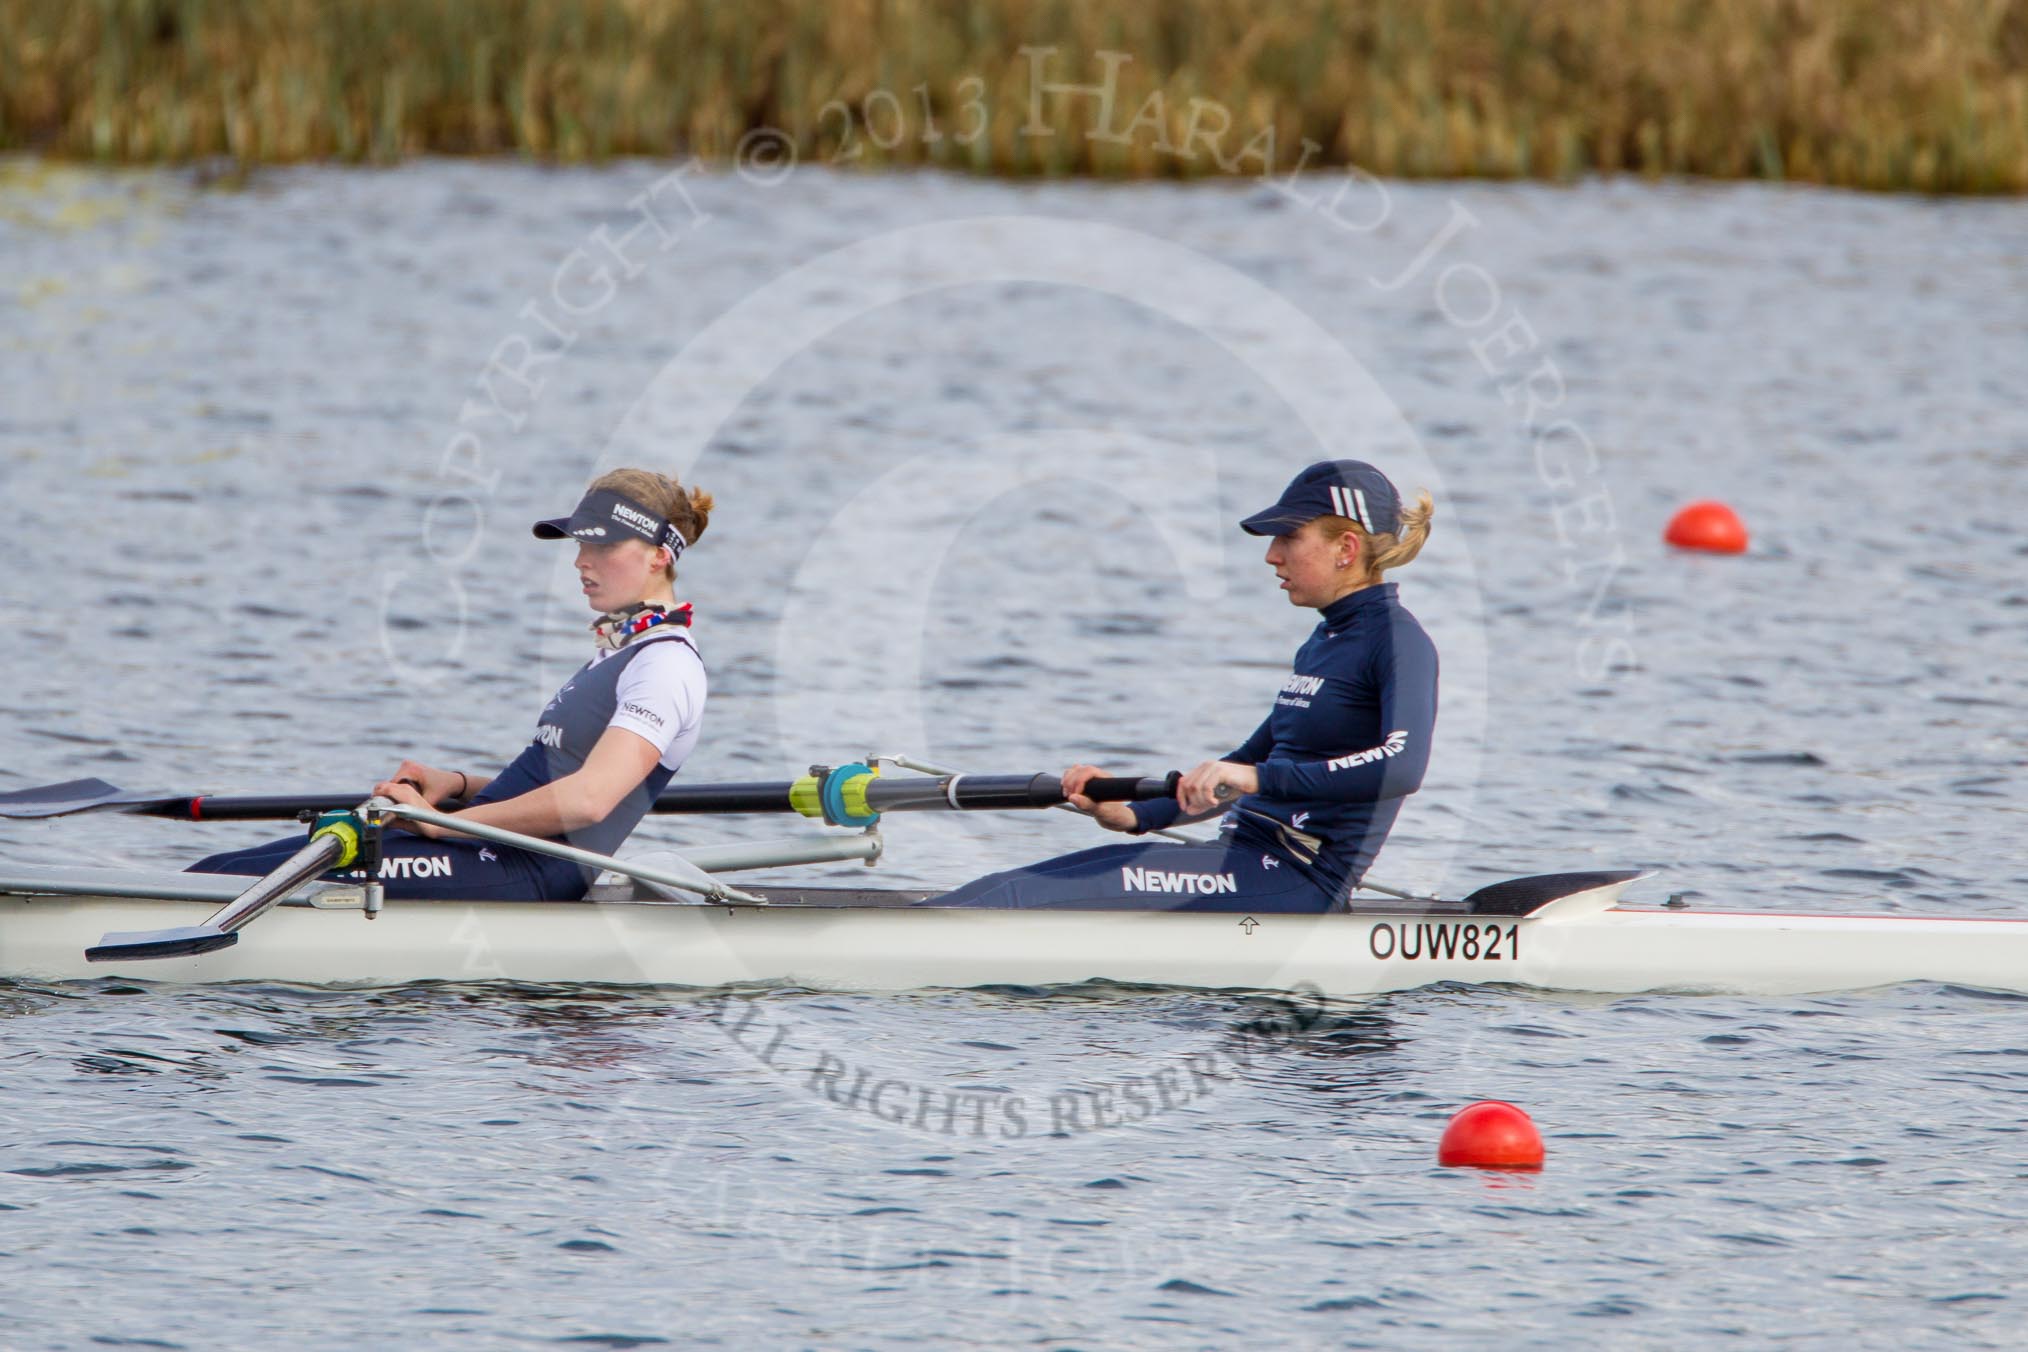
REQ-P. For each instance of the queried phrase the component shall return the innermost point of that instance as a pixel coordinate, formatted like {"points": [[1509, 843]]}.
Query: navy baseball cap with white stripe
{"points": [[1347, 488]]}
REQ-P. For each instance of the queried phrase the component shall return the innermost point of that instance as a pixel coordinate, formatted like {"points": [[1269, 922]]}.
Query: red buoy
{"points": [[1490, 1134], [1710, 526]]}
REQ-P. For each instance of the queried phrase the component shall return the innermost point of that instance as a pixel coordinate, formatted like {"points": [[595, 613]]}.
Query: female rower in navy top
{"points": [[606, 743], [1320, 781]]}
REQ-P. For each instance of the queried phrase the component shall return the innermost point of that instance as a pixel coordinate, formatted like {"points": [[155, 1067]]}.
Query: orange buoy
{"points": [[1490, 1134], [1710, 526]]}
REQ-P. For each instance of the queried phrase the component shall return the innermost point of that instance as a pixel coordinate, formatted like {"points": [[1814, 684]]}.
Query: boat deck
{"points": [[1515, 897], [863, 898]]}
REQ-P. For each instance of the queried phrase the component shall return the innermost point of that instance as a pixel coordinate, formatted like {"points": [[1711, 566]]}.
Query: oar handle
{"points": [[1124, 789]]}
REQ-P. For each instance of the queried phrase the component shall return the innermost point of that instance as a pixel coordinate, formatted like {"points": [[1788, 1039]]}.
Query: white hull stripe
{"points": [[1575, 947]]}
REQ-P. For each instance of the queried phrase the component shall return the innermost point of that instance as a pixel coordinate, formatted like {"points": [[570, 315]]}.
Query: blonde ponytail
{"points": [[1382, 552], [1392, 551]]}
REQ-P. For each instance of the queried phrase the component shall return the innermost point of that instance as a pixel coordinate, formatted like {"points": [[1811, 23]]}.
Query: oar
{"points": [[95, 795], [923, 767], [967, 793], [853, 795], [74, 795]]}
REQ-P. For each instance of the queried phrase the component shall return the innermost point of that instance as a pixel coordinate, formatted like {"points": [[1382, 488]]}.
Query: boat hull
{"points": [[894, 948]]}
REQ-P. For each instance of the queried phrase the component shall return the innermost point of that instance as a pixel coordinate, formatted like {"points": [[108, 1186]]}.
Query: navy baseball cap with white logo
{"points": [[1347, 488], [604, 517]]}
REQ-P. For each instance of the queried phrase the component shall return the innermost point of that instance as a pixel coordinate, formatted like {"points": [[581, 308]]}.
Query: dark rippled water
{"points": [[977, 449]]}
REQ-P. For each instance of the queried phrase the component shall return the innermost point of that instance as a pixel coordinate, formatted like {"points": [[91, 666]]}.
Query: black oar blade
{"points": [[185, 941], [90, 795], [73, 795]]}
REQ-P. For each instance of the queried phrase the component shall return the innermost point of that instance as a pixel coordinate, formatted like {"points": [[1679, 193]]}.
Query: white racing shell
{"points": [[1578, 941]]}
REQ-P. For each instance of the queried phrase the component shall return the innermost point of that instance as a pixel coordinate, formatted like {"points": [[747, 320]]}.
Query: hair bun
{"points": [[700, 513]]}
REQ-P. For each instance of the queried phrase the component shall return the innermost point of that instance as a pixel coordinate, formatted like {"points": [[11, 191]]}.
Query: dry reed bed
{"points": [[1929, 95]]}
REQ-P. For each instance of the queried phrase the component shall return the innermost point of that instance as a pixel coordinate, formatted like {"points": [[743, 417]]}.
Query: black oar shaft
{"points": [[899, 793], [976, 793], [248, 807], [910, 793], [771, 796]]}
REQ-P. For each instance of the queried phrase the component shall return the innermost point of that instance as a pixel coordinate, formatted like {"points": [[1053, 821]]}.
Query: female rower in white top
{"points": [[606, 743]]}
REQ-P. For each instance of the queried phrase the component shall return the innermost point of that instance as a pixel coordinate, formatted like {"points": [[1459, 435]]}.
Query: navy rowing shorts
{"points": [[436, 870], [1155, 876]]}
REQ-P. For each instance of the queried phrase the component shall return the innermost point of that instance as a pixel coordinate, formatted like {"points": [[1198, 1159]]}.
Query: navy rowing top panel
{"points": [[1348, 738], [571, 725]]}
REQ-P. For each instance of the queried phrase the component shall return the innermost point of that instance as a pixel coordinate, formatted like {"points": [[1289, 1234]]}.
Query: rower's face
{"points": [[613, 576], [1313, 568]]}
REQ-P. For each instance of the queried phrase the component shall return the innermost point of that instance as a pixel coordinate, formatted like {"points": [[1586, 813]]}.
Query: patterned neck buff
{"points": [[616, 629]]}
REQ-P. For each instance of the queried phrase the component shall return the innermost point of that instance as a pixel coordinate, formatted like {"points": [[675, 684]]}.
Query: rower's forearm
{"points": [[1392, 770], [1193, 818], [550, 811], [1163, 814]]}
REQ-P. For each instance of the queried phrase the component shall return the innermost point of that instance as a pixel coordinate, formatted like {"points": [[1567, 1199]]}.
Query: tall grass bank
{"points": [[1880, 94]]}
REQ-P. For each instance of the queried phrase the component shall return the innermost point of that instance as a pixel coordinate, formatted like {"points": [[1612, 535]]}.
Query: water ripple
{"points": [[1828, 723]]}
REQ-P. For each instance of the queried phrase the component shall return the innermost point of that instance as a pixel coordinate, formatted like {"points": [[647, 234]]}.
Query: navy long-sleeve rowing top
{"points": [[1348, 739]]}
